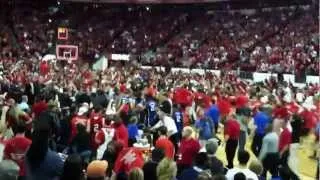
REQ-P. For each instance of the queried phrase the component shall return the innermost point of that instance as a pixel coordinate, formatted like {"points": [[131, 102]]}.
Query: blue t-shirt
{"points": [[214, 113], [206, 127], [152, 113], [49, 169], [190, 174], [261, 120], [178, 119], [132, 131]]}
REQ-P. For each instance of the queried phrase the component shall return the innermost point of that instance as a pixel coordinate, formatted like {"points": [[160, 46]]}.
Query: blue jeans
{"points": [[86, 156]]}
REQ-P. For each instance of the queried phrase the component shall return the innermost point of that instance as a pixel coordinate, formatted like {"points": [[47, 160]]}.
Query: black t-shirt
{"points": [[216, 166], [52, 119], [83, 98], [81, 142], [150, 170], [65, 100], [296, 125]]}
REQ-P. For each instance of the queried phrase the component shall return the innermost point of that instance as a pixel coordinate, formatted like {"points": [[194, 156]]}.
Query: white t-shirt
{"points": [[108, 135], [299, 97], [169, 123], [247, 172], [288, 95]]}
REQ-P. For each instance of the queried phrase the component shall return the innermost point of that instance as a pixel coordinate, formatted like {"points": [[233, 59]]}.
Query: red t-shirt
{"points": [[292, 108], [232, 129], [165, 144], [281, 112], [128, 159], [310, 119], [16, 149], [125, 108], [99, 137], [96, 123], [87, 75], [285, 138], [44, 68], [39, 107], [122, 88], [74, 122], [189, 148], [121, 135]]}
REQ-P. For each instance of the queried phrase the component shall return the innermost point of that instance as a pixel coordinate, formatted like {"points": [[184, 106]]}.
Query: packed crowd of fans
{"points": [[62, 120], [140, 124], [279, 40]]}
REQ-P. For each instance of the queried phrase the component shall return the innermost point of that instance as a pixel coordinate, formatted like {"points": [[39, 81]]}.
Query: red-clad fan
{"points": [[276, 111], [44, 68], [189, 147], [87, 74], [224, 106], [39, 106], [280, 112], [182, 96], [231, 136], [95, 123], [122, 88], [309, 118], [16, 148], [121, 132], [284, 138], [293, 107], [79, 118], [151, 90], [241, 101], [281, 116], [202, 99], [128, 159], [198, 97], [103, 137], [164, 143]]}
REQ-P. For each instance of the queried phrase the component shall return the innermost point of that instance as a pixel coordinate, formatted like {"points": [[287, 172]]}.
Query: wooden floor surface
{"points": [[307, 165]]}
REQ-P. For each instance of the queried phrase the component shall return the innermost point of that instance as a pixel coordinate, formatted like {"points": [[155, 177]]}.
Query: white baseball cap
{"points": [[82, 110]]}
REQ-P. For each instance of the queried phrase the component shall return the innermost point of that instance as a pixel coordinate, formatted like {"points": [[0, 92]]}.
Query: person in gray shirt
{"points": [[269, 154], [243, 116]]}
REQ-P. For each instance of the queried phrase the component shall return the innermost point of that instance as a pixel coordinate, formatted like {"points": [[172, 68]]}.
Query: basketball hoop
{"points": [[67, 52]]}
